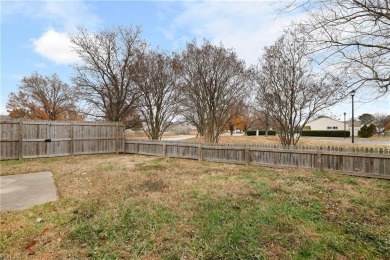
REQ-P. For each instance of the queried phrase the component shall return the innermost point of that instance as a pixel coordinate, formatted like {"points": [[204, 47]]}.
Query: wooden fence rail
{"points": [[33, 139], [362, 164]]}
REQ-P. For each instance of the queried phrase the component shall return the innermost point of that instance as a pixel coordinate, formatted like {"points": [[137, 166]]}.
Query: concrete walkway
{"points": [[23, 191]]}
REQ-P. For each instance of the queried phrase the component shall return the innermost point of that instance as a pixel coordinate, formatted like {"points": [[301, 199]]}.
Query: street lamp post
{"points": [[353, 121], [345, 133]]}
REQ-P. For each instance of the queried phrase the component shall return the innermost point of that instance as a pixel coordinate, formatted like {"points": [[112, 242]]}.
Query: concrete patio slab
{"points": [[23, 191]]}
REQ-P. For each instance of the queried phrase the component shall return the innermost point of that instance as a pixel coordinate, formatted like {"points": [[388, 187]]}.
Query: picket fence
{"points": [[355, 161], [33, 139]]}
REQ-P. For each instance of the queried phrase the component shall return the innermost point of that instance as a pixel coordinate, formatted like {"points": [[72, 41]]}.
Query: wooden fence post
{"points": [[72, 138], [247, 157], [116, 138], [20, 129], [123, 142], [136, 148], [200, 153], [164, 150], [319, 160]]}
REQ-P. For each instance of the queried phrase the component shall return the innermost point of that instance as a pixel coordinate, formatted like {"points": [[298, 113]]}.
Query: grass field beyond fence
{"points": [[139, 207], [356, 161]]}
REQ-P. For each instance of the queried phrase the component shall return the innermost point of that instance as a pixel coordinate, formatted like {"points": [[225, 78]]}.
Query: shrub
{"points": [[261, 132], [327, 133], [367, 131], [363, 131]]}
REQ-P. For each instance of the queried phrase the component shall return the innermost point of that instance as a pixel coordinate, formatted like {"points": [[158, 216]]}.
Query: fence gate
{"points": [[46, 139], [33, 139]]}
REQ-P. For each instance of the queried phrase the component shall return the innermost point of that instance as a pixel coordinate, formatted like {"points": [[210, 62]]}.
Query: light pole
{"points": [[345, 133], [353, 122]]}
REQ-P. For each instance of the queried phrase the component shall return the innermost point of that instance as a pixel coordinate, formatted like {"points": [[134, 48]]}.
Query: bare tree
{"points": [[45, 98], [261, 115], [159, 101], [288, 89], [104, 76], [133, 121], [244, 117], [381, 120], [352, 37], [213, 84]]}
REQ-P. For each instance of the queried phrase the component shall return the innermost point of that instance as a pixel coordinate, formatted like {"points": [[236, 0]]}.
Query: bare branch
{"points": [[213, 84], [288, 89], [104, 78]]}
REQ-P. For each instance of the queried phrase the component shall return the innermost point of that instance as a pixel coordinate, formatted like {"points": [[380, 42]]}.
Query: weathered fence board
{"points": [[35, 139], [188, 152], [364, 162], [218, 154], [9, 136]]}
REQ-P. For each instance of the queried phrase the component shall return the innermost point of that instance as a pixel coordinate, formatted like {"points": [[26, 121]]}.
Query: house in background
{"points": [[327, 123], [357, 126]]}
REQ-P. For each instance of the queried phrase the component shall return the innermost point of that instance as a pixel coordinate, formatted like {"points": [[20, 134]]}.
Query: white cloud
{"points": [[246, 26], [64, 15], [56, 47], [70, 14]]}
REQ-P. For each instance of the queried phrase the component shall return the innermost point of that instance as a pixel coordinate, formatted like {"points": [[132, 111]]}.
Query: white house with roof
{"points": [[327, 123]]}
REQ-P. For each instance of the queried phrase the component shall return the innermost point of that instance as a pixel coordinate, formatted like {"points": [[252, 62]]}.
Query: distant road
{"points": [[177, 138]]}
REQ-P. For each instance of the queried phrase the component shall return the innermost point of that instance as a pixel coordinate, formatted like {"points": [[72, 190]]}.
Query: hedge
{"points": [[326, 133], [261, 132]]}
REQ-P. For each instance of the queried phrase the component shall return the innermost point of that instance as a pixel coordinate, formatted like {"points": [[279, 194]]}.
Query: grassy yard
{"points": [[303, 141], [136, 207]]}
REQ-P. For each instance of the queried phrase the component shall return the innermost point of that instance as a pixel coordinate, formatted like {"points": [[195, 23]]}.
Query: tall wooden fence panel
{"points": [[10, 135], [90, 138], [34, 139], [45, 139], [363, 162]]}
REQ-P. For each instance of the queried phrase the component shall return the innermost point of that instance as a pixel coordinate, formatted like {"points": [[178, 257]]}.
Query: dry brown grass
{"points": [[304, 141], [138, 207], [143, 136]]}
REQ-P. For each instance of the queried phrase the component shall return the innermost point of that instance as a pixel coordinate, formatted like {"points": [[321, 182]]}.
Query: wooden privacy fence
{"points": [[357, 163], [33, 139]]}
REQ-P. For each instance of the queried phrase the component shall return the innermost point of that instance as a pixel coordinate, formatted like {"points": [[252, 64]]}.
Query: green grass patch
{"points": [[135, 207], [129, 231]]}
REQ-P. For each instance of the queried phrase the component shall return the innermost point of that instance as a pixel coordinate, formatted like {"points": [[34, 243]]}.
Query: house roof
{"points": [[324, 117], [355, 123]]}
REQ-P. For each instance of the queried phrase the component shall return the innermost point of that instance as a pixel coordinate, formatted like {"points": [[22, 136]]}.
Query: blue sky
{"points": [[34, 34]]}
